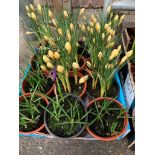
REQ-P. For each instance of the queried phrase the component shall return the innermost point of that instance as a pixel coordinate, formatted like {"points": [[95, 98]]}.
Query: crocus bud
{"points": [[49, 65], [43, 67], [103, 35], [91, 24], [71, 27], [109, 23], [46, 38], [29, 14], [50, 14], [33, 16], [28, 32], [98, 27], [60, 69], [106, 26], [51, 42], [68, 35], [129, 53], [114, 54], [112, 44], [32, 7], [27, 8], [51, 54], [116, 18], [77, 44], [65, 14], [60, 32], [119, 48], [75, 65], [94, 20], [94, 40], [54, 22], [109, 9], [46, 59], [122, 17], [39, 9], [112, 32], [68, 47], [91, 30], [109, 38], [81, 12], [100, 54], [111, 15], [88, 64], [83, 79], [56, 55], [84, 39], [123, 60], [83, 28]]}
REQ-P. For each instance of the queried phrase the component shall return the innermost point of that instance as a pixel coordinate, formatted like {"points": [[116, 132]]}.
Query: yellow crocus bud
{"points": [[91, 30], [83, 79], [75, 65], [46, 38], [111, 44], [129, 53], [109, 23], [56, 55], [106, 26], [27, 8], [84, 17], [49, 65], [83, 28], [108, 30], [80, 26], [88, 28], [33, 15], [112, 32], [94, 20], [29, 14], [43, 67], [77, 44], [91, 24], [50, 14], [116, 18], [60, 69], [111, 15], [81, 11], [88, 64], [114, 54], [123, 60], [68, 47], [109, 38], [46, 59], [65, 14], [94, 40], [71, 27], [92, 16], [109, 9], [28, 32], [32, 7], [68, 35], [100, 54], [119, 48], [98, 27], [122, 17], [51, 42], [60, 32], [84, 39], [39, 9], [103, 36], [51, 54], [54, 22]]}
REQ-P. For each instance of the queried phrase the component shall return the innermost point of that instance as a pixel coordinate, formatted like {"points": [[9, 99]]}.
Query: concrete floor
{"points": [[47, 146]]}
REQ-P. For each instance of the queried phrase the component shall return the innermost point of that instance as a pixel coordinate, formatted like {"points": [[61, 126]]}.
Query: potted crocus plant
{"points": [[31, 113], [101, 39], [107, 119]]}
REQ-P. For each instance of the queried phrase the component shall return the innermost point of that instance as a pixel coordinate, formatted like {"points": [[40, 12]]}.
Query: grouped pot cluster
{"points": [[76, 57]]}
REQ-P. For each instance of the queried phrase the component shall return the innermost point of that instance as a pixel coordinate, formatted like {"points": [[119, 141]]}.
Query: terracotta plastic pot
{"points": [[42, 126], [48, 93], [80, 130], [112, 137]]}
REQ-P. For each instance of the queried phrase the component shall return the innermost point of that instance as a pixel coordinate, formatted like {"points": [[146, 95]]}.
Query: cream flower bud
{"points": [[98, 27], [129, 53], [27, 8], [103, 36], [43, 67], [29, 14], [83, 28], [33, 15], [109, 23], [123, 60], [46, 38], [60, 32], [109, 38], [28, 32], [50, 14], [119, 48], [122, 17], [106, 26], [94, 20], [116, 18], [71, 27], [100, 54], [92, 16], [84, 39], [88, 64], [77, 44], [51, 42], [112, 32], [81, 11], [75, 65], [112, 44], [54, 22], [49, 65], [56, 55], [94, 40], [68, 47], [32, 7], [111, 15], [83, 79], [114, 54], [109, 9], [65, 14], [91, 24], [60, 69], [46, 59], [68, 35], [39, 9], [51, 54]]}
